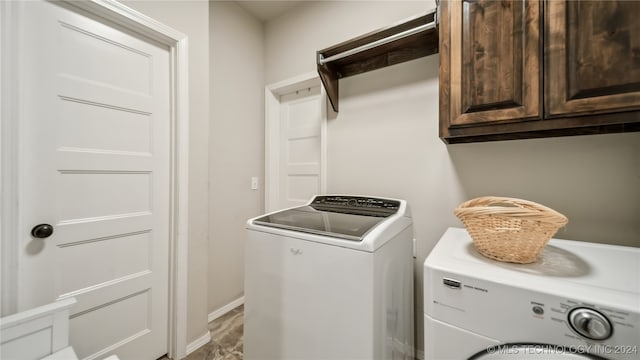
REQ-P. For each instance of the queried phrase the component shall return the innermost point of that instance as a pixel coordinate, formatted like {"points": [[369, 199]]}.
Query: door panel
{"points": [[94, 145], [494, 60], [100, 255], [80, 47], [89, 194], [83, 126], [593, 64], [489, 51], [137, 323]]}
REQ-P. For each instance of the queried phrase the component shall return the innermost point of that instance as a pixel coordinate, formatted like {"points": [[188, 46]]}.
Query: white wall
{"points": [[226, 64], [236, 144], [594, 180], [191, 18], [293, 38]]}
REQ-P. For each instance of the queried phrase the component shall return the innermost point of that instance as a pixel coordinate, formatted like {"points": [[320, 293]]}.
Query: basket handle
{"points": [[487, 205]]}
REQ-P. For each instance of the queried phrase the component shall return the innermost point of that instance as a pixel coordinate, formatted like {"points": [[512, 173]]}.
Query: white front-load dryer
{"points": [[577, 301]]}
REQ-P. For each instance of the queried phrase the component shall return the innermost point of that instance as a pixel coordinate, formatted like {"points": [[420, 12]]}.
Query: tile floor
{"points": [[226, 338]]}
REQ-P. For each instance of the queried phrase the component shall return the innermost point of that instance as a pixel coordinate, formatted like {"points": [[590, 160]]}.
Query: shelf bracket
{"points": [[410, 39]]}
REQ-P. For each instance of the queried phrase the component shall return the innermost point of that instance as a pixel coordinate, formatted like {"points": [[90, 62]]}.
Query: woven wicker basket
{"points": [[508, 229]]}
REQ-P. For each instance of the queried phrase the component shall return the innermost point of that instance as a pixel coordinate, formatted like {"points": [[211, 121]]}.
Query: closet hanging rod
{"points": [[322, 60]]}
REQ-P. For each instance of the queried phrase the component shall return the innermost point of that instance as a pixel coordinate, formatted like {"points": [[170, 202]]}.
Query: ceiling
{"points": [[267, 9]]}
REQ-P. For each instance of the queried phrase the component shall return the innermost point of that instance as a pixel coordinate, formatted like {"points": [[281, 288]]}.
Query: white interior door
{"points": [[300, 138], [94, 109], [295, 147]]}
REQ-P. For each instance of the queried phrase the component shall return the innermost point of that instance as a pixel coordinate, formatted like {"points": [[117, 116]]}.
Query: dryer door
{"points": [[523, 351]]}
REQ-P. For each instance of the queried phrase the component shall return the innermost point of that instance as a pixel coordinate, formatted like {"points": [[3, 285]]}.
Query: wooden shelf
{"points": [[398, 51]]}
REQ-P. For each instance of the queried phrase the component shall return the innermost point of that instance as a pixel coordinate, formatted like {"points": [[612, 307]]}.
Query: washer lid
{"points": [[349, 218], [522, 351]]}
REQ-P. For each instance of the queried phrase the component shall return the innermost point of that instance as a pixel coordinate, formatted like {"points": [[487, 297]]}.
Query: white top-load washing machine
{"points": [[330, 280], [577, 301]]}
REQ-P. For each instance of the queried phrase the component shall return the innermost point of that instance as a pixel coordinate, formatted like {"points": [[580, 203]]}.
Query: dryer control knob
{"points": [[590, 323]]}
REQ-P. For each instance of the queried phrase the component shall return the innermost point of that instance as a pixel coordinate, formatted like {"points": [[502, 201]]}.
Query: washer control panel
{"points": [[356, 205], [590, 323]]}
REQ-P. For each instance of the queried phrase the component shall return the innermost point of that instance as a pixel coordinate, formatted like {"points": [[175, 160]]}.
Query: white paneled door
{"points": [[94, 125], [300, 146]]}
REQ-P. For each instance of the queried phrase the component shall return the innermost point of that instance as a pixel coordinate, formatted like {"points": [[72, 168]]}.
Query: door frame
{"points": [[272, 94], [177, 44]]}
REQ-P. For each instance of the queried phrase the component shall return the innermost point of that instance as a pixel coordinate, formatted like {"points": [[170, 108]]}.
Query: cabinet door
{"points": [[490, 62], [592, 51]]}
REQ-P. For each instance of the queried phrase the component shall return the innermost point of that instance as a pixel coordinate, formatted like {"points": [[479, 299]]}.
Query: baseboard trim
{"points": [[225, 309], [199, 342]]}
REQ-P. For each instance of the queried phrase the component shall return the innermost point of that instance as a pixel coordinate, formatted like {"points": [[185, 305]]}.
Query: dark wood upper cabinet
{"points": [[522, 69], [593, 57]]}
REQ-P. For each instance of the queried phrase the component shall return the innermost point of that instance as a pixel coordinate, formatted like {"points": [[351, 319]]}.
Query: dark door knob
{"points": [[42, 231]]}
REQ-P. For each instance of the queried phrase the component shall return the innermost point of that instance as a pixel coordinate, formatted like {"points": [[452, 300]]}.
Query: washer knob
{"points": [[590, 324]]}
